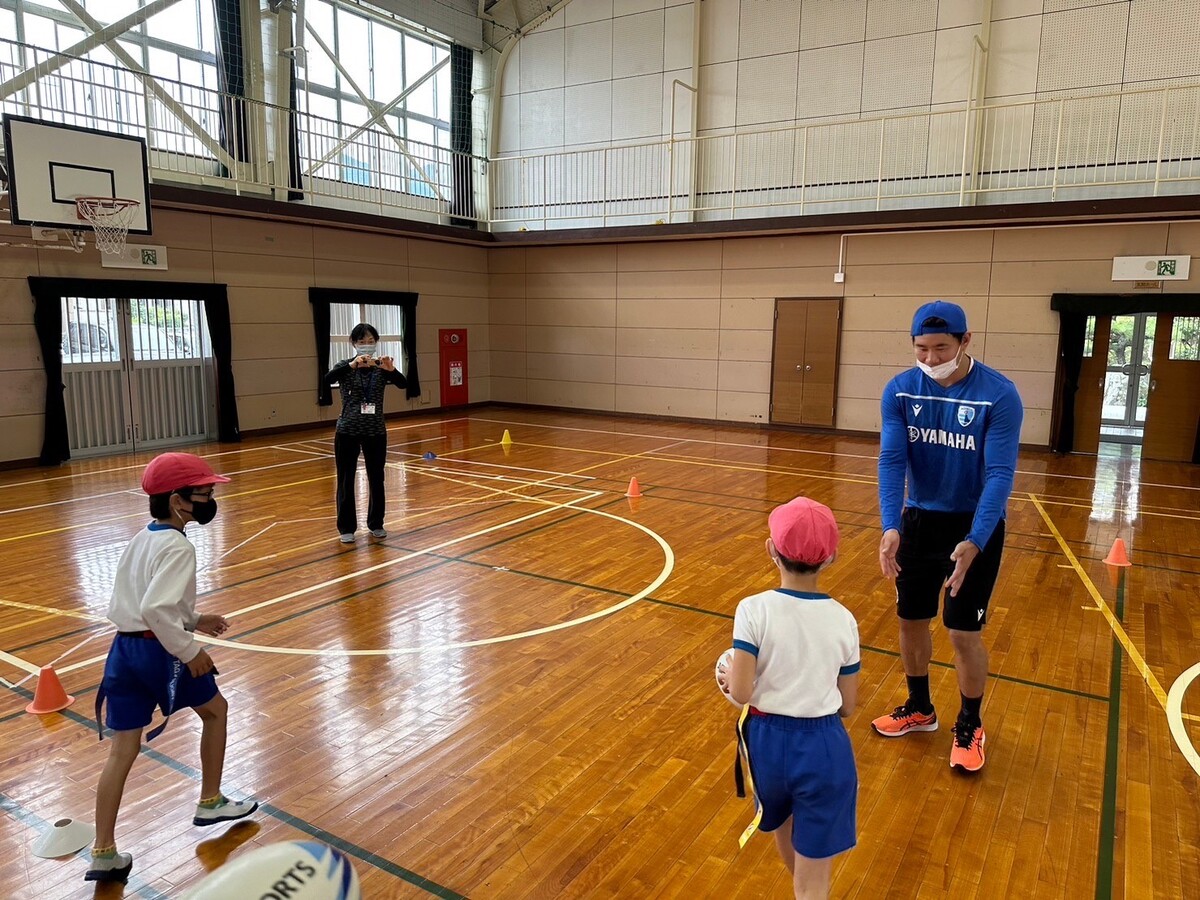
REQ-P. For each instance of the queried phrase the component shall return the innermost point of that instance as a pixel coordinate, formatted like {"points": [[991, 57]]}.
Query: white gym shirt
{"points": [[802, 642], [155, 589]]}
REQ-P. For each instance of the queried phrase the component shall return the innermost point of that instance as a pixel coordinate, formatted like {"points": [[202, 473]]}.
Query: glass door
{"points": [[1127, 378]]}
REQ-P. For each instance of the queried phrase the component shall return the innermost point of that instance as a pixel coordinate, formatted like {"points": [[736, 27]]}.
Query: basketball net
{"points": [[110, 218]]}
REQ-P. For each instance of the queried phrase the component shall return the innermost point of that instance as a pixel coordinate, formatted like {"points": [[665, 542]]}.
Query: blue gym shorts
{"points": [[138, 676], [804, 768]]}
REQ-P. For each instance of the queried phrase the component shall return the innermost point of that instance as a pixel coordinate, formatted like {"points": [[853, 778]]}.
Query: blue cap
{"points": [[950, 313]]}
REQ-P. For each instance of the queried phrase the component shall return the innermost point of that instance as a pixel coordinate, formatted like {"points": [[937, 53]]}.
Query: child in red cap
{"points": [[796, 662], [154, 660]]}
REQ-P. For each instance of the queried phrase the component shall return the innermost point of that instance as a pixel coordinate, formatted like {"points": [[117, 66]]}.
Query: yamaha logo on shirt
{"points": [[966, 415], [914, 434]]}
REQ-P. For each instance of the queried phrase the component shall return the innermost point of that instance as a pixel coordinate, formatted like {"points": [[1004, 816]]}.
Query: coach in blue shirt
{"points": [[951, 427]]}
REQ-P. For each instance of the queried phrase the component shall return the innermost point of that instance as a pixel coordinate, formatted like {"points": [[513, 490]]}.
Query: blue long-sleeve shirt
{"points": [[956, 447]]}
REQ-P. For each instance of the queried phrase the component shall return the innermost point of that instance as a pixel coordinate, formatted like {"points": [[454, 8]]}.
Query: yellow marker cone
{"points": [[507, 440]]}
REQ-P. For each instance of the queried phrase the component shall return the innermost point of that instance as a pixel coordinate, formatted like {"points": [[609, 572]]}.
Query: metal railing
{"points": [[1129, 143], [200, 136]]}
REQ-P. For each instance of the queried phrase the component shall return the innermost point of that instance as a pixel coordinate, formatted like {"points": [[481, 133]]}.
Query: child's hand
{"points": [[210, 624], [201, 664]]}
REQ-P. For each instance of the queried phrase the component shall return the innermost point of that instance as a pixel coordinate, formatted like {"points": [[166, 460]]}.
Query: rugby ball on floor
{"points": [[721, 673], [290, 870]]}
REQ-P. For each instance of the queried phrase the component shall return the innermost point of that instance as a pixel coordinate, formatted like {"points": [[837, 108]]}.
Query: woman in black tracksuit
{"points": [[362, 379]]}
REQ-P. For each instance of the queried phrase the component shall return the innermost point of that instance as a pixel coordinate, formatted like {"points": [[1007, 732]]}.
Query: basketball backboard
{"points": [[50, 165]]}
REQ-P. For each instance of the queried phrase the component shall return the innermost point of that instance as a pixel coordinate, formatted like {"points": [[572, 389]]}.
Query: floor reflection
{"points": [[1118, 483]]}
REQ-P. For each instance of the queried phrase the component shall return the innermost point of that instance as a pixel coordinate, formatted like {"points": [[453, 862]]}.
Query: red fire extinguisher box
{"points": [[452, 346]]}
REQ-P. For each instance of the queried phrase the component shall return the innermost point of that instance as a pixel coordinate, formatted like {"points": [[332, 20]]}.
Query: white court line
{"points": [[506, 478], [5, 512], [551, 507], [320, 453], [142, 465], [476, 462], [1046, 475], [217, 559], [17, 663], [295, 462], [1175, 716]]}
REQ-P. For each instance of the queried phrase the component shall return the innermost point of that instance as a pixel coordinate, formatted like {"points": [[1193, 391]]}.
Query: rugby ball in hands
{"points": [[722, 675]]}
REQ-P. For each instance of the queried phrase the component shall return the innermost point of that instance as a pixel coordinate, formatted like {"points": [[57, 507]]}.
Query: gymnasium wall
{"points": [[269, 267], [685, 328], [774, 63]]}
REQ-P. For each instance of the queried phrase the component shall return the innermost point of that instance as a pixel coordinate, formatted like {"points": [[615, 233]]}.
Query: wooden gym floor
{"points": [[512, 695]]}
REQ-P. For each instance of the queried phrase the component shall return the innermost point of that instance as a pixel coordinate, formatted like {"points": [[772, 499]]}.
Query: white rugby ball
{"points": [[296, 870], [722, 668]]}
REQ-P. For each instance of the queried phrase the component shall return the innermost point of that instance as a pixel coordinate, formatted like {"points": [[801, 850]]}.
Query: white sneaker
{"points": [[110, 868], [380, 533], [226, 812], [346, 538]]}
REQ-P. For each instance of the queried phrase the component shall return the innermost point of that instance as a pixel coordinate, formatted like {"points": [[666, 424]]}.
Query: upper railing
{"points": [[197, 135], [1129, 143], [1120, 144]]}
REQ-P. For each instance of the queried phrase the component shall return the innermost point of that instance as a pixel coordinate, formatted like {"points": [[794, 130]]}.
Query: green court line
{"points": [[347, 847], [943, 665], [1108, 805]]}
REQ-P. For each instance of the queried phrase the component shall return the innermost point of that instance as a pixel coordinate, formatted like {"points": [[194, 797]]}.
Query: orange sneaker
{"points": [[967, 752], [901, 720]]}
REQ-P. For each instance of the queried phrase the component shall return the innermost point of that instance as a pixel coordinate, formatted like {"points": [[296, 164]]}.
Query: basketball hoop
{"points": [[110, 217]]}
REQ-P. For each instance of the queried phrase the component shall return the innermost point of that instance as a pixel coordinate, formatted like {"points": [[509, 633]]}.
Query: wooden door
{"points": [[1173, 410], [1089, 399], [805, 361]]}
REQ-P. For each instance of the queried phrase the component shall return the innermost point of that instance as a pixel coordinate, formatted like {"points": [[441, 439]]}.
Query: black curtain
{"points": [[295, 176], [47, 320], [321, 333], [48, 294], [320, 298], [462, 203], [231, 79], [1072, 332], [216, 310]]}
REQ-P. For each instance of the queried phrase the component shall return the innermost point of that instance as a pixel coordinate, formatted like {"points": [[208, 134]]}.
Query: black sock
{"points": [[970, 710], [918, 693]]}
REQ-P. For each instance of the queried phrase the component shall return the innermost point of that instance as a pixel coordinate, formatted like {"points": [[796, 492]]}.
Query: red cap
{"points": [[171, 471], [804, 531]]}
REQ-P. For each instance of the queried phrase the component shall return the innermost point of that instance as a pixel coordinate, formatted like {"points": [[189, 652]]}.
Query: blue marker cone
{"points": [[429, 454]]}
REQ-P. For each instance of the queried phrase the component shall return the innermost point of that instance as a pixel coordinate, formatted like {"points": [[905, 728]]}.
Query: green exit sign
{"points": [[1147, 268], [1166, 267]]}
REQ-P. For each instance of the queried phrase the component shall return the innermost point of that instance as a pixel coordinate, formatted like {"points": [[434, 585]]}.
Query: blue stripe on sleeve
{"points": [[851, 669], [747, 646]]}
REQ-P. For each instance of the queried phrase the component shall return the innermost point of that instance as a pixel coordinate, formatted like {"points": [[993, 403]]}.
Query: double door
{"points": [[805, 362], [1140, 384], [138, 373]]}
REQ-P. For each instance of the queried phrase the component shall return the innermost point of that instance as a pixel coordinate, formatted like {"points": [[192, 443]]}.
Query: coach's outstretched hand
{"points": [[888, 546], [964, 554]]}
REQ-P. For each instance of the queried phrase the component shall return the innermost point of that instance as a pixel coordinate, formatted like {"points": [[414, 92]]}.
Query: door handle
{"points": [[799, 368], [808, 368]]}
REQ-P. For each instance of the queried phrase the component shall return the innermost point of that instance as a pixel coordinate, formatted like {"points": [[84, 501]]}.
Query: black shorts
{"points": [[926, 541]]}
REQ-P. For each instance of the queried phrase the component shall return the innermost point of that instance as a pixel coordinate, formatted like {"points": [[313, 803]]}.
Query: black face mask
{"points": [[204, 512]]}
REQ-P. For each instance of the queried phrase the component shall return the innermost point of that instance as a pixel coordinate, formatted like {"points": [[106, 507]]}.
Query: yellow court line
{"points": [[27, 623], [142, 515], [70, 613], [768, 470], [1118, 629], [1044, 475]]}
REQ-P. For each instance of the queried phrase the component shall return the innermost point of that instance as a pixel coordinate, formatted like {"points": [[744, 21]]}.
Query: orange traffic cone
{"points": [[49, 697], [1117, 555], [634, 490]]}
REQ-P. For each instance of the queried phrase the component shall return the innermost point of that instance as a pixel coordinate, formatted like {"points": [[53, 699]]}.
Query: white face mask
{"points": [[365, 349], [943, 371]]}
